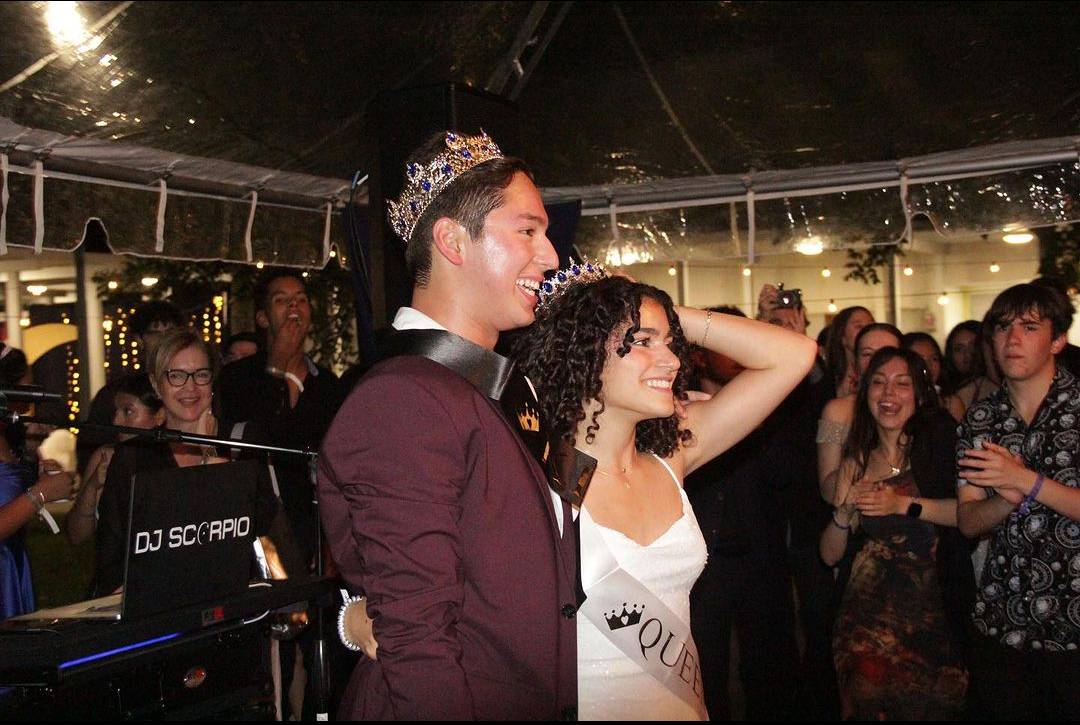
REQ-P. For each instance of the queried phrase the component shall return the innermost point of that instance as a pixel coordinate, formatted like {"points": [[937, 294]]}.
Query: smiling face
{"points": [[640, 382], [891, 395], [185, 404], [505, 266]]}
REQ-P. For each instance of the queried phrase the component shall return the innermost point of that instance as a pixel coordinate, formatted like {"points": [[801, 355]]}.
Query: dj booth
{"points": [[193, 662]]}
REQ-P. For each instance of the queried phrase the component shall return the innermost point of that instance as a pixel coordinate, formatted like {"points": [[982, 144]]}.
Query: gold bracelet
{"points": [[708, 319]]}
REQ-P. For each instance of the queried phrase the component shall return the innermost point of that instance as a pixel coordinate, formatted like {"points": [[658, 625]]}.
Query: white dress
{"points": [[610, 686]]}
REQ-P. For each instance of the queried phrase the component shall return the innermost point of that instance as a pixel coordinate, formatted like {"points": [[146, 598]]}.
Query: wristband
{"points": [[837, 524], [347, 602], [1025, 505], [37, 498]]}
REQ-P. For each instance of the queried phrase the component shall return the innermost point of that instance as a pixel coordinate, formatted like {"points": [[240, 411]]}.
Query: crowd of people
{"points": [[581, 527]]}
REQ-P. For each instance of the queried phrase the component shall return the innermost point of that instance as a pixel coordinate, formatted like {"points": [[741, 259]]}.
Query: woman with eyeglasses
{"points": [[182, 368]]}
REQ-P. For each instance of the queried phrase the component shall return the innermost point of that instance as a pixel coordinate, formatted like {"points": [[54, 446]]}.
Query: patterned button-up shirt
{"points": [[1029, 591]]}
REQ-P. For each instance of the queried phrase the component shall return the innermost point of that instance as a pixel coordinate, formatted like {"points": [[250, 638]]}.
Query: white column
{"points": [[95, 340], [13, 308]]}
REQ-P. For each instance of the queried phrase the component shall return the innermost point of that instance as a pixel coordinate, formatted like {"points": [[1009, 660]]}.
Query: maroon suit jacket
{"points": [[435, 510]]}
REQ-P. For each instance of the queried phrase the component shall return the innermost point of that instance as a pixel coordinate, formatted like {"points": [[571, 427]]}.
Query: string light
{"points": [[672, 271], [908, 271], [943, 299], [149, 281], [113, 284], [826, 272], [832, 306], [995, 267], [746, 272]]}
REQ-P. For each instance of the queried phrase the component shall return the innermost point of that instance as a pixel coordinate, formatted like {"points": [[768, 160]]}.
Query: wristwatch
{"points": [[914, 509]]}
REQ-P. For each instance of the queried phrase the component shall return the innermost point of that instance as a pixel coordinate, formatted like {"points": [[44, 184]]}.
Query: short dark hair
{"points": [[138, 386], [161, 311], [468, 200], [239, 337], [268, 277], [13, 365], [1050, 304]]}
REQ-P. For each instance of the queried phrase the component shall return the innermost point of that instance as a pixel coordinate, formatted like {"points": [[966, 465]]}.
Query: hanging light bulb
{"points": [[908, 271], [832, 306], [810, 246], [672, 271], [826, 272], [746, 272], [943, 299], [995, 267]]}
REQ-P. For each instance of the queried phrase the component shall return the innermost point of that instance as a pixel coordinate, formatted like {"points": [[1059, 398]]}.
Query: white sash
{"points": [[646, 630]]}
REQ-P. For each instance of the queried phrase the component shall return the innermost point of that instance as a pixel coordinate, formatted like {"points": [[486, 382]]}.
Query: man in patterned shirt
{"points": [[1019, 450]]}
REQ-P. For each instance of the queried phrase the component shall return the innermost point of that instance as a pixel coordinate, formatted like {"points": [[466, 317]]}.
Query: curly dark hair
{"points": [[565, 350]]}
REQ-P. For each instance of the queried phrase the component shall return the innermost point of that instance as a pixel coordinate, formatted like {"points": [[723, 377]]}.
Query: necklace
{"points": [[895, 470], [207, 452], [622, 477]]}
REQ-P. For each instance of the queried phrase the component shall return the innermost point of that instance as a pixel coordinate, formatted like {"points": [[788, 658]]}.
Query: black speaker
{"points": [[400, 121]]}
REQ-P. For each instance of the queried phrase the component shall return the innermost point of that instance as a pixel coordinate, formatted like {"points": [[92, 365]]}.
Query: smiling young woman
{"points": [[609, 360]]}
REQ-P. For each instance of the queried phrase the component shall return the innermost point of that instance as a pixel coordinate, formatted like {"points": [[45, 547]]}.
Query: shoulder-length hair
{"points": [[864, 437], [835, 357], [564, 352]]}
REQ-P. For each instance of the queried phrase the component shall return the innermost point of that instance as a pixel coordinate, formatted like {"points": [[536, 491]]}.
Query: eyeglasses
{"points": [[179, 378]]}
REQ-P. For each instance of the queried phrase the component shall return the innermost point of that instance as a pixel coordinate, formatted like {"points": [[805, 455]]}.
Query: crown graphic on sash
{"points": [[624, 618], [529, 419]]}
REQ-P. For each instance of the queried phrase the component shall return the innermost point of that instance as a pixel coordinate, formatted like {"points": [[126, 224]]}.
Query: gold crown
{"points": [[529, 419], [424, 183], [577, 273]]}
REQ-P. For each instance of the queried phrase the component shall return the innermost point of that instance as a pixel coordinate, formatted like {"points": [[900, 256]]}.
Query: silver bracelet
{"points": [[347, 602]]}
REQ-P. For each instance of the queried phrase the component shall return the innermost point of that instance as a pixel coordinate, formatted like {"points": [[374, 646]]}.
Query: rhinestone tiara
{"points": [[577, 273], [424, 183]]}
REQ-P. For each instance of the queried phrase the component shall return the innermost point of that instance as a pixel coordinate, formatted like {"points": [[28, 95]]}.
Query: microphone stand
{"points": [[321, 673]]}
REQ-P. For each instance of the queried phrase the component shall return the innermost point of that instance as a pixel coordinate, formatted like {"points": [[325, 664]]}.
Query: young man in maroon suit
{"points": [[432, 505]]}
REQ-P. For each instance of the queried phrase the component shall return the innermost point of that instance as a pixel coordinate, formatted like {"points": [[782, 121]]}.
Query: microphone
{"points": [[27, 394]]}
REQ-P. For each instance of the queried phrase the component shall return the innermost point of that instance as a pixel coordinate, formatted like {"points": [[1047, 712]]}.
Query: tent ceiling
{"points": [[684, 98]]}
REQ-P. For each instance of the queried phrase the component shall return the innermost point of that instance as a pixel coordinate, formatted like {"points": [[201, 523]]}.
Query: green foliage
{"points": [[1059, 253], [190, 285], [863, 263]]}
